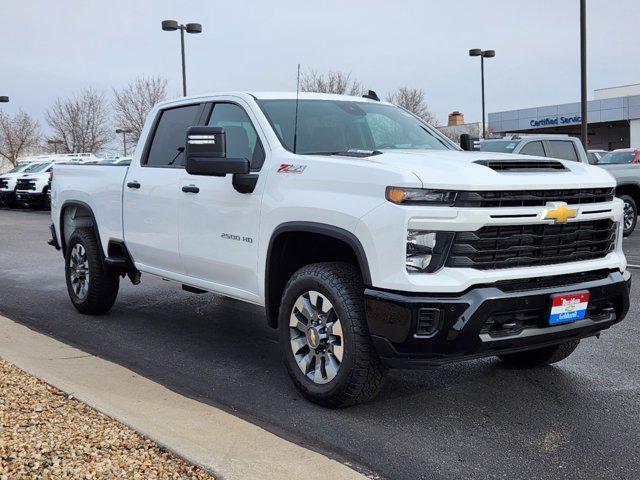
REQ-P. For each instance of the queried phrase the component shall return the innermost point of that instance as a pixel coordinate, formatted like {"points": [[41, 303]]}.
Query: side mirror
{"points": [[206, 153], [467, 142]]}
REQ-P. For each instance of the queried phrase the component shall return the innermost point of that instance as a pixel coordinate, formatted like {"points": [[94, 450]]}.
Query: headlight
{"points": [[426, 251], [420, 196]]}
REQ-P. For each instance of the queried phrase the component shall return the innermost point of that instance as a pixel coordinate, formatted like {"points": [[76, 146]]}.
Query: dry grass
{"points": [[45, 433]]}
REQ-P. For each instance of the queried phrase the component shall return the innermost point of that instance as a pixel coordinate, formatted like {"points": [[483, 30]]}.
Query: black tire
{"points": [[541, 356], [361, 373], [47, 200], [629, 203], [102, 290]]}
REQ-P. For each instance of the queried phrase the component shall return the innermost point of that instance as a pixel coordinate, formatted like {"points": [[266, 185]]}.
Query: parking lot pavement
{"points": [[477, 420]]}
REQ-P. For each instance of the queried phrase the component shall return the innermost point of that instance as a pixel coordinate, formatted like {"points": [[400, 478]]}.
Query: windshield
{"points": [[332, 126], [18, 168], [617, 157], [498, 146], [37, 168]]}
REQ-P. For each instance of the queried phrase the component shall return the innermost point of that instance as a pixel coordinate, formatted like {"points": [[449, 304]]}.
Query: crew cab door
{"points": [[218, 225], [152, 193]]}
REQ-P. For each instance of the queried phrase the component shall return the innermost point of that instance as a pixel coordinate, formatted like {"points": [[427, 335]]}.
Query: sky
{"points": [[55, 48]]}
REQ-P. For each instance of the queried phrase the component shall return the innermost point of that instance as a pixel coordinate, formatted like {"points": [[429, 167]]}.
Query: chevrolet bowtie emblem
{"points": [[559, 212]]}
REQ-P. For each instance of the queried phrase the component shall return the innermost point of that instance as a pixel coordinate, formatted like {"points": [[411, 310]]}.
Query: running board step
{"points": [[189, 288]]}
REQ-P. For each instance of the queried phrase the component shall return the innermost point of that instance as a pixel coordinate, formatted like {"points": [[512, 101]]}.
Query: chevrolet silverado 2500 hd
{"points": [[371, 240]]}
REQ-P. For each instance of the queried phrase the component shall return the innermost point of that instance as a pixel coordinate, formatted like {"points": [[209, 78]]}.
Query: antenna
{"points": [[295, 125]]}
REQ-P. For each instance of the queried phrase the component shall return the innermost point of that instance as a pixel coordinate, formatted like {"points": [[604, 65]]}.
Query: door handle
{"points": [[190, 189], [133, 184]]}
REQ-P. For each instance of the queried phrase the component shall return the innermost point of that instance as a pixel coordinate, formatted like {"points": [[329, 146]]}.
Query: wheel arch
{"points": [[278, 269], [82, 217], [631, 189]]}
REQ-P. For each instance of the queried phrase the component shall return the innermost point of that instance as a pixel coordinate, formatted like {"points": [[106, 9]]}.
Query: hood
{"points": [[8, 176], [460, 170]]}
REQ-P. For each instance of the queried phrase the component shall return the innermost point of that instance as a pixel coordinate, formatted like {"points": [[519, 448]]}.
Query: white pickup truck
{"points": [[371, 240]]}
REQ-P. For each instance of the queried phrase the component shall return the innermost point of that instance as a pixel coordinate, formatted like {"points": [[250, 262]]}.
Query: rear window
{"points": [[618, 158], [564, 149], [499, 146]]}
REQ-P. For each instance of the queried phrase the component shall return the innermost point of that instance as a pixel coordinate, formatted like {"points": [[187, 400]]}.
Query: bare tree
{"points": [[81, 122], [19, 135], [331, 82], [133, 102], [412, 99]]}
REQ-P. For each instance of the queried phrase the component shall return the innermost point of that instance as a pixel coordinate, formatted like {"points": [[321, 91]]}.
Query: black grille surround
{"points": [[24, 184], [4, 183], [512, 246], [533, 198]]}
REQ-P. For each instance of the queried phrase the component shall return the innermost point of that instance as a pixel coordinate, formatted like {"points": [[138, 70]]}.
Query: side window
{"points": [[593, 159], [563, 149], [533, 148], [242, 139], [170, 135]]}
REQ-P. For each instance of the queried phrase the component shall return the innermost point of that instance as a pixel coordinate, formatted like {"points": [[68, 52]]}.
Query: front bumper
{"points": [[30, 198], [489, 320], [7, 196]]}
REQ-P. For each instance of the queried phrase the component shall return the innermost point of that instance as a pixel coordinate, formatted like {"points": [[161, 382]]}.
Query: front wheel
{"points": [[91, 284], [541, 356], [325, 338], [630, 214]]}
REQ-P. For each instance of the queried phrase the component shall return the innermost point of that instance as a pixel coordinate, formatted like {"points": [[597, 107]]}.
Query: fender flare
{"points": [[322, 229]]}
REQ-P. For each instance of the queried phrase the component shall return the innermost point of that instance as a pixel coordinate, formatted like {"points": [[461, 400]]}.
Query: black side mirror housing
{"points": [[206, 153], [467, 142]]}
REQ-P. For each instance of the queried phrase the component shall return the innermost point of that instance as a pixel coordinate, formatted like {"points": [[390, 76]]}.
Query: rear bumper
{"points": [[487, 320]]}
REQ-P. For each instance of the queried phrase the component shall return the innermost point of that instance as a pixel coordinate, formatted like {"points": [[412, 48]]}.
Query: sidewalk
{"points": [[226, 446]]}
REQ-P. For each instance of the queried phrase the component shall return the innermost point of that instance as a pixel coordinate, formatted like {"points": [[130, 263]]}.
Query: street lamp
{"points": [[4, 99], [477, 52], [124, 132], [171, 25], [55, 144]]}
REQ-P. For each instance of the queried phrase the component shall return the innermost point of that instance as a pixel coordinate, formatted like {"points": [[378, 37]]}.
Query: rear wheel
{"points": [[324, 336], [630, 215], [541, 356], [91, 284]]}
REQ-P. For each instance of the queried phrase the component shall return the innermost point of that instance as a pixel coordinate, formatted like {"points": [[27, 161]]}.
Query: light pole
{"points": [[124, 132], [584, 135], [4, 99], [55, 144], [171, 25], [477, 52]]}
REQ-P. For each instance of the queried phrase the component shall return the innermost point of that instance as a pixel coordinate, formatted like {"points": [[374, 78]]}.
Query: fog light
{"points": [[428, 322], [420, 245]]}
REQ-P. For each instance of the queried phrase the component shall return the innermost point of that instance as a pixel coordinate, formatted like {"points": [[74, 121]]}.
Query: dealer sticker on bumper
{"points": [[567, 308]]}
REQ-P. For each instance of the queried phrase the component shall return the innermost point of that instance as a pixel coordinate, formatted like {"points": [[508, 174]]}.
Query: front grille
{"points": [[533, 198], [523, 165], [25, 185], [531, 245], [4, 183]]}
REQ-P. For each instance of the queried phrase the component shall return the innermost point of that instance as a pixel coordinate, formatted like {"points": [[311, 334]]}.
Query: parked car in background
{"points": [[32, 188], [594, 156], [556, 146], [624, 165], [125, 161], [8, 183]]}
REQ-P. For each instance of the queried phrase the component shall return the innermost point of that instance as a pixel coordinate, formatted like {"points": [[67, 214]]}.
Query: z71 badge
{"points": [[287, 168]]}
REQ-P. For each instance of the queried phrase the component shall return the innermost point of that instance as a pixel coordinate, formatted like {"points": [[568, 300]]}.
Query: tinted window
{"points": [[242, 139], [533, 148], [563, 149], [326, 126], [498, 146], [618, 157], [593, 158], [170, 135]]}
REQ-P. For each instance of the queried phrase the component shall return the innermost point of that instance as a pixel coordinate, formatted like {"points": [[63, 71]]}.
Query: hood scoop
{"points": [[523, 165]]}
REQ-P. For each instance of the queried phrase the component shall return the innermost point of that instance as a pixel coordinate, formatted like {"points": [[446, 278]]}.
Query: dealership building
{"points": [[613, 116]]}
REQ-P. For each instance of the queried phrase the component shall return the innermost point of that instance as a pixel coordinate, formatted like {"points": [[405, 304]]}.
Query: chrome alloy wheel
{"points": [[316, 337], [79, 271], [629, 215]]}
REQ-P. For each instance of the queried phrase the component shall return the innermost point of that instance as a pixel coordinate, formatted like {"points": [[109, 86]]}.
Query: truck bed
{"points": [[97, 186]]}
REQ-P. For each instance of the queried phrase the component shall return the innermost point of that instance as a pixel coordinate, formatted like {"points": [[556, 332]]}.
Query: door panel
{"points": [[219, 226]]}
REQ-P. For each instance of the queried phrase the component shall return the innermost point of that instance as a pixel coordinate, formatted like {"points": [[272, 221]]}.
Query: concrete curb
{"points": [[228, 447]]}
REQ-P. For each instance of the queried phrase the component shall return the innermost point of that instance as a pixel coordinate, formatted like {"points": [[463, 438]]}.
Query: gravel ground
{"points": [[44, 433]]}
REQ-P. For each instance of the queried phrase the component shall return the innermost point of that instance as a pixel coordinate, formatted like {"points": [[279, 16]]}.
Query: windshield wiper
{"points": [[349, 153]]}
